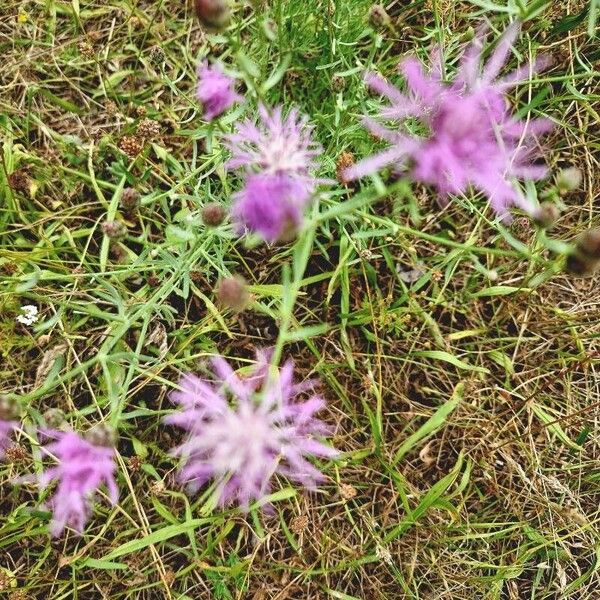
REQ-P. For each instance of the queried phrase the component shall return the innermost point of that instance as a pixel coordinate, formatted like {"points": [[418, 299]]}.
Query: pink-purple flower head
{"points": [[278, 158], [6, 430], [473, 138], [216, 90], [82, 468], [243, 431]]}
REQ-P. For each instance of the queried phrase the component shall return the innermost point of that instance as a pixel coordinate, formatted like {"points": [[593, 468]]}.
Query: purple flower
{"points": [[6, 429], [215, 90], [241, 444], [473, 138], [82, 468], [278, 158]]}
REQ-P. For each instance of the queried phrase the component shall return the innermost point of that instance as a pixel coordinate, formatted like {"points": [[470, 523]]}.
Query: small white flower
{"points": [[29, 316]]}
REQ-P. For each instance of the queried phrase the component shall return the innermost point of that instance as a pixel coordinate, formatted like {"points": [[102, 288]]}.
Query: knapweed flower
{"points": [[472, 140], [243, 431], [278, 159], [6, 429], [82, 468], [8, 412], [29, 315], [216, 90]]}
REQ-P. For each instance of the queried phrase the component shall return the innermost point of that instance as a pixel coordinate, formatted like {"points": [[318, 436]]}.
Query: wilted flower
{"points": [[215, 90], [82, 468], [278, 157], [240, 444], [473, 138], [29, 315]]}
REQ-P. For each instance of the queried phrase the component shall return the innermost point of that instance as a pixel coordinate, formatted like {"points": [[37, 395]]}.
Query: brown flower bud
{"points": [[585, 258], [213, 14], [546, 215], [114, 229], [130, 199], [101, 435], [233, 293], [213, 214]]}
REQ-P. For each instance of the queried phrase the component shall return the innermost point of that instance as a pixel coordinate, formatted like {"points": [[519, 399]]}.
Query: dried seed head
{"points": [[568, 180], [9, 409], [54, 418], [16, 454], [299, 524], [157, 55], [378, 17], [19, 181], [232, 293], [546, 215], [338, 83], [213, 14], [347, 491], [131, 145], [213, 214], [140, 111], [148, 128], [130, 199], [101, 435], [10, 268], [85, 49], [344, 161], [111, 108], [135, 463], [157, 488]]}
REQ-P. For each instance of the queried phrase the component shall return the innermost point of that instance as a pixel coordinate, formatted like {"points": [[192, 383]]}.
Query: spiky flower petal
{"points": [[216, 90], [241, 442], [81, 469], [277, 157], [473, 138]]}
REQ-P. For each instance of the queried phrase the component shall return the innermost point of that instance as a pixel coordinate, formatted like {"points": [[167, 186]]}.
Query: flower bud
{"points": [[214, 14], [588, 244], [568, 180], [101, 435], [114, 229], [546, 215], [130, 199], [338, 83], [9, 409], [233, 293], [213, 214], [54, 418], [378, 17], [585, 259]]}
